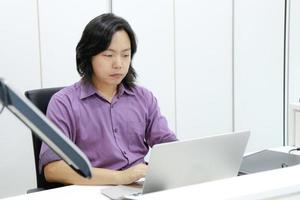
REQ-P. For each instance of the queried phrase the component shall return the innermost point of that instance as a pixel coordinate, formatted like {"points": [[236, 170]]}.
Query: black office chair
{"points": [[40, 98]]}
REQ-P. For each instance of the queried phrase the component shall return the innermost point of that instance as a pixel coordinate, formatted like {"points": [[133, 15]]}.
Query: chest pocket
{"points": [[136, 135]]}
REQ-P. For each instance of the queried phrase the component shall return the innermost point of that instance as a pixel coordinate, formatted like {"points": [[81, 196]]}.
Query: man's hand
{"points": [[133, 174]]}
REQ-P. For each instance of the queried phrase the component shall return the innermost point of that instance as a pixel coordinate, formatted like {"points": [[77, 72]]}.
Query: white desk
{"points": [[239, 187], [247, 187], [73, 192]]}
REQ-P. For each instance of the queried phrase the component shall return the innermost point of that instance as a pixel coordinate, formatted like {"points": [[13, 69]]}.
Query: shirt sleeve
{"points": [[157, 130], [60, 113]]}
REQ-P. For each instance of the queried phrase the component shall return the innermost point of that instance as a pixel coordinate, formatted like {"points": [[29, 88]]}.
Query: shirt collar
{"points": [[87, 90], [122, 89]]}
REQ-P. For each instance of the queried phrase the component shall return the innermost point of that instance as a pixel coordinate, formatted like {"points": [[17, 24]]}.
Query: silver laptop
{"points": [[188, 162]]}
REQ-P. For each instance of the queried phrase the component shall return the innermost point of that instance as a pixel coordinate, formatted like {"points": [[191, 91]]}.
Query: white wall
{"points": [[185, 56], [294, 58], [258, 71], [293, 86], [19, 66], [61, 26], [203, 46]]}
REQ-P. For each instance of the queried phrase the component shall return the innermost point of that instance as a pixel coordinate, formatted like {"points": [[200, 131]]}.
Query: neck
{"points": [[107, 91]]}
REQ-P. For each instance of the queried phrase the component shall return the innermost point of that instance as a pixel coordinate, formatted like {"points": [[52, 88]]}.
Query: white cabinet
{"points": [[153, 23], [294, 125], [19, 66], [203, 46], [61, 26], [258, 71]]}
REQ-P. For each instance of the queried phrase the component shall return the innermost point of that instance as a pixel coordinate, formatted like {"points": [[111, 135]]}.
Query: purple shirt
{"points": [[113, 135]]}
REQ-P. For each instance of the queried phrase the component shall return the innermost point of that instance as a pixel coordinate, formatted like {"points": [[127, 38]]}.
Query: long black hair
{"points": [[96, 38]]}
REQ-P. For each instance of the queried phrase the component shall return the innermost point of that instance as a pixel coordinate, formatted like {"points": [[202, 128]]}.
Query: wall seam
{"points": [[287, 6], [175, 74], [110, 6], [233, 65], [39, 43]]}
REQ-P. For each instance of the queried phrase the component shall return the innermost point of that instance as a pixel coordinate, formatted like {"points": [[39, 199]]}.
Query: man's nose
{"points": [[117, 62]]}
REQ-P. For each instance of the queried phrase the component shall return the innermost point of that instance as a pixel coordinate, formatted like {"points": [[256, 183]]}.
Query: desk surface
{"points": [[281, 182]]}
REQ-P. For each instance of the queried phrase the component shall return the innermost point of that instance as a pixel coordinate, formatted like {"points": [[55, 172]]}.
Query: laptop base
{"points": [[267, 160], [122, 191]]}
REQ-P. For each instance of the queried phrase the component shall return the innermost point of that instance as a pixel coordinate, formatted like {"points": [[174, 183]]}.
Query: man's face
{"points": [[111, 65]]}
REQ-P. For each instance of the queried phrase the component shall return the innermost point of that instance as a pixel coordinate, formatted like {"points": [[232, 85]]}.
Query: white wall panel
{"points": [[153, 24], [294, 58], [19, 66], [259, 40], [61, 26], [203, 38]]}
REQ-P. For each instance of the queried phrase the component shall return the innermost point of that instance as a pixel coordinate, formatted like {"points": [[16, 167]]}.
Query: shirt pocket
{"points": [[136, 136]]}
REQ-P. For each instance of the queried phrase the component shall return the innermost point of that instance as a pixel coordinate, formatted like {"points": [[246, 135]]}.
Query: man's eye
{"points": [[107, 55], [126, 55]]}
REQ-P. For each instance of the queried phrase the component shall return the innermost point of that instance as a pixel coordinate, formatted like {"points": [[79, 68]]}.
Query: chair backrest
{"points": [[40, 98]]}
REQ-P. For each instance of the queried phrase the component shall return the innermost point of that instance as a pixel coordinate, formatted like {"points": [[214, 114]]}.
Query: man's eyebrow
{"points": [[128, 49]]}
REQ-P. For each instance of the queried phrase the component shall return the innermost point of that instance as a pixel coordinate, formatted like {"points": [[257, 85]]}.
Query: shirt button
{"points": [[124, 152], [115, 130]]}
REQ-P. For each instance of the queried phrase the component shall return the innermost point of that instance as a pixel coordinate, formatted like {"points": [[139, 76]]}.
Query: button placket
{"points": [[115, 131]]}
